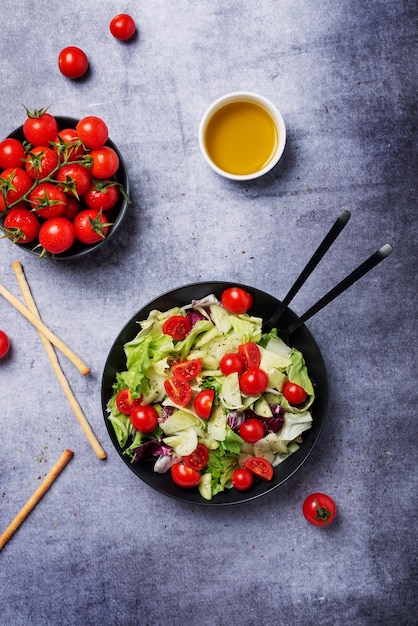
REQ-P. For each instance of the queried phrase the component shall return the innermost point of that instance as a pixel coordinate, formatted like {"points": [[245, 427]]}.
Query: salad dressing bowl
{"points": [[264, 306]]}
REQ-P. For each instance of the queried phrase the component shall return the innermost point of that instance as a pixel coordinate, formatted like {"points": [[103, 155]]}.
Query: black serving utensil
{"points": [[323, 247], [349, 280]]}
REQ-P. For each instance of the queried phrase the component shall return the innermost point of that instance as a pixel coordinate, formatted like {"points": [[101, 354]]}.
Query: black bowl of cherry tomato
{"points": [[263, 306], [64, 187]]}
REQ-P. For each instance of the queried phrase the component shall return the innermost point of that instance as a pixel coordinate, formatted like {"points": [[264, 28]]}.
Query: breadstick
{"points": [[80, 365], [34, 499], [27, 295]]}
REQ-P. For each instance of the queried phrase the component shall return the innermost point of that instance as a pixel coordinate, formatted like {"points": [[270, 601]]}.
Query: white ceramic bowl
{"points": [[267, 105]]}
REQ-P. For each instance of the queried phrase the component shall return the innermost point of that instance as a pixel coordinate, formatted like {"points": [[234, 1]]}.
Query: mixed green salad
{"points": [[205, 393]]}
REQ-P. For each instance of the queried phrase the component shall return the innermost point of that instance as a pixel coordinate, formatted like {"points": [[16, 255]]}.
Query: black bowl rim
{"points": [[314, 362], [122, 173]]}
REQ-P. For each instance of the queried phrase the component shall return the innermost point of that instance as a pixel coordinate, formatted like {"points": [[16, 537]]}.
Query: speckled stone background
{"points": [[104, 548]]}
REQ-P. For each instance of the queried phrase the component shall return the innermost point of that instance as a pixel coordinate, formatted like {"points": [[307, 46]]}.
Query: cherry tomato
{"points": [[48, 200], [11, 153], [260, 467], [21, 225], [40, 128], [203, 403], [102, 195], [187, 369], [105, 162], [92, 131], [73, 62], [144, 418], [4, 344], [236, 300], [178, 390], [252, 430], [125, 402], [198, 459], [15, 182], [242, 479], [69, 143], [71, 209], [177, 326], [41, 161], [184, 476], [231, 363], [90, 226], [74, 178], [122, 27], [293, 393], [319, 509], [56, 235], [250, 354], [253, 382]]}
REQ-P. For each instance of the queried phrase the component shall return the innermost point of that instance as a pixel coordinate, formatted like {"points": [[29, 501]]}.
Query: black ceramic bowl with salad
{"points": [[289, 432], [107, 194]]}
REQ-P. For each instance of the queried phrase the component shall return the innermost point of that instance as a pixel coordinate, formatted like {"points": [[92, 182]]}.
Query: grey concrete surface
{"points": [[104, 548]]}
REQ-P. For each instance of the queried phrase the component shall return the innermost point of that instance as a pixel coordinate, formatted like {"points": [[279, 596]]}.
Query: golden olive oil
{"points": [[241, 138]]}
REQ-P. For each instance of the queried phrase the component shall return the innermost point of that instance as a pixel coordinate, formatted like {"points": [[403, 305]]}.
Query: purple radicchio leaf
{"points": [[165, 413], [194, 317], [147, 450]]}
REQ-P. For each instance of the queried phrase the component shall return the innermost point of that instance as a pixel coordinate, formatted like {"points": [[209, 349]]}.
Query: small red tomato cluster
{"points": [[57, 184]]}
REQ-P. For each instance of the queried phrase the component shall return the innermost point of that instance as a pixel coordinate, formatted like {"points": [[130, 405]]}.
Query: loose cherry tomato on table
{"points": [[260, 467], [40, 128], [231, 363], [319, 509], [41, 161], [92, 131], [102, 195], [250, 354], [198, 459], [253, 382], [48, 200], [203, 403], [74, 179], [252, 430], [178, 390], [104, 162], [11, 153], [144, 418], [90, 226], [122, 27], [236, 300], [187, 369], [73, 62], [242, 479], [293, 393], [21, 225], [56, 235], [177, 326], [184, 476], [4, 344]]}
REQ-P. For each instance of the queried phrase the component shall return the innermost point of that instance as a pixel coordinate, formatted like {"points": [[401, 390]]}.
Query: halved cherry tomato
{"points": [[144, 418], [125, 402], [260, 467], [203, 403], [177, 326], [253, 382], [319, 509], [236, 300], [231, 363], [294, 394], [184, 476], [187, 370], [252, 430], [242, 479], [250, 354], [198, 459], [178, 390]]}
